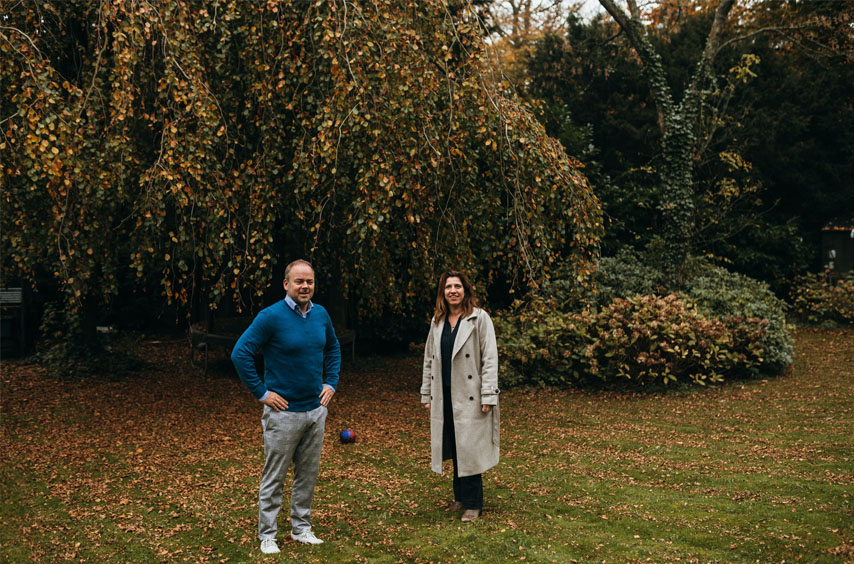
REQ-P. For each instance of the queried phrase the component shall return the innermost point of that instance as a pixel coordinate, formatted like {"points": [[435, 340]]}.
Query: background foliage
{"points": [[204, 146], [773, 131], [818, 299], [186, 151], [721, 326]]}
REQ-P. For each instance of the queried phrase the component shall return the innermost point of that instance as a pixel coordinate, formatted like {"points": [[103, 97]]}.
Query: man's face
{"points": [[300, 284]]}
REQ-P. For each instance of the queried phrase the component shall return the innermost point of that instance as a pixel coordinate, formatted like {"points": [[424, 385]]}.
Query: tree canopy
{"points": [[204, 145]]}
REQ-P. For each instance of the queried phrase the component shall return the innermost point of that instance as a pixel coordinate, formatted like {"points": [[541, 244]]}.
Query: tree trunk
{"points": [[678, 126], [677, 199]]}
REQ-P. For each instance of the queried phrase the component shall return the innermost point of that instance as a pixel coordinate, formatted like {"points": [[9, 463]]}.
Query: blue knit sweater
{"points": [[300, 355]]}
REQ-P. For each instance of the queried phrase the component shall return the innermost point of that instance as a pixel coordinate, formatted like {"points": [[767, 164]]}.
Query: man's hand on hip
{"points": [[326, 395], [275, 401]]}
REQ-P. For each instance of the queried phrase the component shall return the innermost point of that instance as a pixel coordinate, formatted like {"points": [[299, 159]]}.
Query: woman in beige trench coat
{"points": [[460, 388]]}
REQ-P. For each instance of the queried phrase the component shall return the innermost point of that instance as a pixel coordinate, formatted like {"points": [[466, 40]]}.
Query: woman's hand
{"points": [[426, 405], [486, 408]]}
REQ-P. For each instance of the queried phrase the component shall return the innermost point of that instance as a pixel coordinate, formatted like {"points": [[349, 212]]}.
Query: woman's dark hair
{"points": [[469, 299]]}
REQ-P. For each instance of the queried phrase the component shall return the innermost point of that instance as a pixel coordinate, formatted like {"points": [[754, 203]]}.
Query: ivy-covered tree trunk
{"points": [[678, 124], [677, 195]]}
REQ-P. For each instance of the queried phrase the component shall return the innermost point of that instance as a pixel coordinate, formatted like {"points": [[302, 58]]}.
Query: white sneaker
{"points": [[306, 538], [269, 546]]}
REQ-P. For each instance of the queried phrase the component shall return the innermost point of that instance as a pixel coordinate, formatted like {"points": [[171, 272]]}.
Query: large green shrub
{"points": [[719, 293], [535, 342], [653, 339], [620, 276], [816, 299], [639, 341], [625, 275], [733, 297], [722, 325]]}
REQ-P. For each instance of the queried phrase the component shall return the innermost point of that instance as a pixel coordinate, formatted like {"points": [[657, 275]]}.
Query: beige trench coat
{"points": [[474, 382]]}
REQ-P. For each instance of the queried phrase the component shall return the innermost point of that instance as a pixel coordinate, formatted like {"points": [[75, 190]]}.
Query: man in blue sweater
{"points": [[302, 359]]}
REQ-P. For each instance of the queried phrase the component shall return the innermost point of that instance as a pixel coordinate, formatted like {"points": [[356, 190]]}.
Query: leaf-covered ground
{"points": [[163, 465]]}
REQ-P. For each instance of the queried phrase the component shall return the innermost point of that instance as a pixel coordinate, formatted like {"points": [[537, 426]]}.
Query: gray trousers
{"points": [[289, 437]]}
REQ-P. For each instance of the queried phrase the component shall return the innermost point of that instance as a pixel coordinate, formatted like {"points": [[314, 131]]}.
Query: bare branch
{"points": [[712, 47], [634, 10], [617, 13]]}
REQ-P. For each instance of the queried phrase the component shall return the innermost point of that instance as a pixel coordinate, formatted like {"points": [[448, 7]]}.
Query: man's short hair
{"points": [[296, 262]]}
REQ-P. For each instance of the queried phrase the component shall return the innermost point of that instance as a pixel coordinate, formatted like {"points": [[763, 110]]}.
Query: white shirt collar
{"points": [[293, 305]]}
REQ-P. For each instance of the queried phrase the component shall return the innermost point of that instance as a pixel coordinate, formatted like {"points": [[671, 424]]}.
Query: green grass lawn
{"points": [[163, 465]]}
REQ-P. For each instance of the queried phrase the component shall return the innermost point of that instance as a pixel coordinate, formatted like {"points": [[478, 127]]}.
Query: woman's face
{"points": [[454, 292]]}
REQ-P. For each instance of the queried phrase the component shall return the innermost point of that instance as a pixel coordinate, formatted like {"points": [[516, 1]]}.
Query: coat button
{"points": [[469, 376], [471, 398], [467, 355]]}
